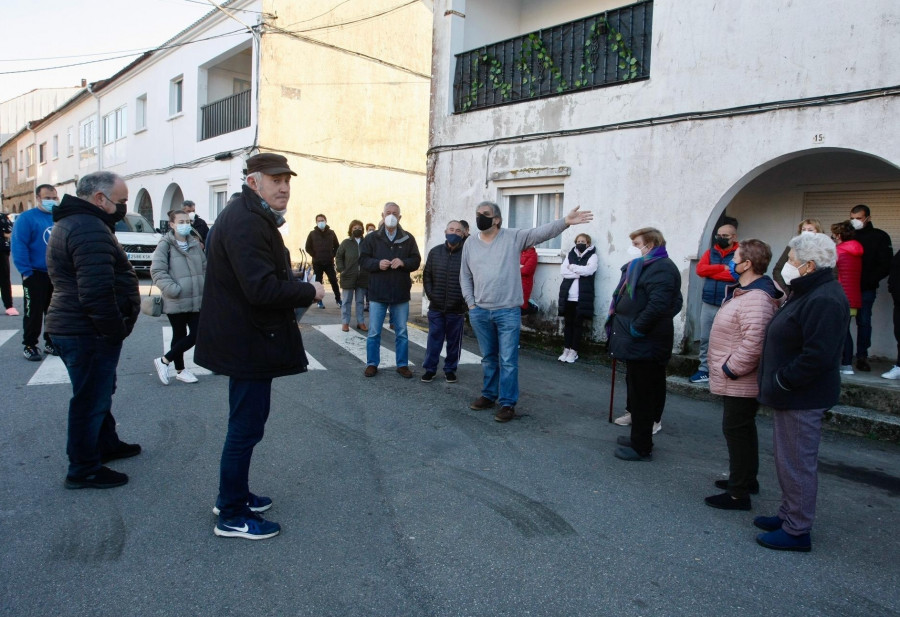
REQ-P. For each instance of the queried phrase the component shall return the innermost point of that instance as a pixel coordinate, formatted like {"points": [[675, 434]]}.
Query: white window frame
{"points": [[70, 141], [115, 125], [219, 188], [55, 150], [42, 153], [553, 246], [87, 137], [140, 113], [29, 161], [21, 160], [176, 96]]}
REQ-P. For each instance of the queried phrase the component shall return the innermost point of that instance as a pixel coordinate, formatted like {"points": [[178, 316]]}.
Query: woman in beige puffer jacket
{"points": [[735, 345]]}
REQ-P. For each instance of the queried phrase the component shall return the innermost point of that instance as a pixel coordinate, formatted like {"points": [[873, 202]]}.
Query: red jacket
{"points": [[527, 265], [849, 268]]}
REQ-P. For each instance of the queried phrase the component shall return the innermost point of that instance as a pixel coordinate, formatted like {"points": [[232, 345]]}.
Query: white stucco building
{"points": [[769, 113]]}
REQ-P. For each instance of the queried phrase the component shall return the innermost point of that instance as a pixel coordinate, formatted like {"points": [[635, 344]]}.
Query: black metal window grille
{"points": [[604, 49], [226, 115]]}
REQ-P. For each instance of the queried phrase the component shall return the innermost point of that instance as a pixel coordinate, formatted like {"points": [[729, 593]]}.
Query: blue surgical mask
{"points": [[453, 238], [183, 229], [321, 225], [732, 267], [48, 204]]}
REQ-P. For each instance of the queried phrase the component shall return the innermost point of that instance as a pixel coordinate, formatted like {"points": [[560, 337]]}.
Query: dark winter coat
{"points": [[95, 289], [440, 280], [877, 254], [389, 286], [801, 356], [347, 262], [585, 307], [201, 227], [642, 328], [248, 327], [322, 245], [894, 278]]}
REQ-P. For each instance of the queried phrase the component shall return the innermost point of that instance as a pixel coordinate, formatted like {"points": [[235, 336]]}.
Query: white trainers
{"points": [[623, 420], [564, 355], [847, 369], [186, 376], [573, 355], [894, 373], [657, 427], [162, 370]]}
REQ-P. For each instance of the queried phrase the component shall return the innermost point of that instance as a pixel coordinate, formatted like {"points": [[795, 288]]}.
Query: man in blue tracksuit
{"points": [[29, 252]]}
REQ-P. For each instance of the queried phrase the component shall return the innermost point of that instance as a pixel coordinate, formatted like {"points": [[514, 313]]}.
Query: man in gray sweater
{"points": [[492, 287]]}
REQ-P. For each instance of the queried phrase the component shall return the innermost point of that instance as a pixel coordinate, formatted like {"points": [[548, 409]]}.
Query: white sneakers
{"points": [[568, 355], [894, 373], [186, 376], [625, 420], [847, 369], [162, 370]]}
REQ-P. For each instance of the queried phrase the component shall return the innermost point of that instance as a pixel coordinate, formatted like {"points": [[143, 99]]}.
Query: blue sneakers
{"points": [[768, 523], [251, 527], [700, 377], [256, 503], [780, 540]]}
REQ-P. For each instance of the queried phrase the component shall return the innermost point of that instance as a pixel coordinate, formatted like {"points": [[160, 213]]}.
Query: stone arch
{"points": [[173, 199], [144, 205]]}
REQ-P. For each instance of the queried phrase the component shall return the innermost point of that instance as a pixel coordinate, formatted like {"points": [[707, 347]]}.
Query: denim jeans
{"points": [[399, 316], [498, 338], [444, 327], [91, 363], [864, 324], [707, 316], [249, 401], [347, 304]]}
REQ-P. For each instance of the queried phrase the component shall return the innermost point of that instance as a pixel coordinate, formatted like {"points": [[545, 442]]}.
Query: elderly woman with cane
{"points": [[735, 344], [799, 378], [640, 332]]}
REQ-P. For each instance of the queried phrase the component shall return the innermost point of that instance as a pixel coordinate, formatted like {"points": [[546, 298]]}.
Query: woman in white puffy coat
{"points": [[179, 270], [735, 345]]}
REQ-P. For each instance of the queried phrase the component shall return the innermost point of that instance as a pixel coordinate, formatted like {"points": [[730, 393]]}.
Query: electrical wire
{"points": [[359, 164], [355, 21], [303, 21], [223, 6]]}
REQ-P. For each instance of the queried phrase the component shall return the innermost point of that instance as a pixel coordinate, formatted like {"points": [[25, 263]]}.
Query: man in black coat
{"points": [[389, 254], [322, 245], [248, 330], [876, 265], [94, 307], [446, 305], [197, 223]]}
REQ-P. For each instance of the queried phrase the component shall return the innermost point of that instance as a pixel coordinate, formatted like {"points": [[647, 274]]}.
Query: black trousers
{"points": [[646, 385], [897, 325], [5, 284], [328, 269], [37, 289], [181, 339], [739, 428], [572, 326]]}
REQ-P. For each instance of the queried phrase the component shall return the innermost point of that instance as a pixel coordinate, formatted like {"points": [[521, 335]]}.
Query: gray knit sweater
{"points": [[490, 276]]}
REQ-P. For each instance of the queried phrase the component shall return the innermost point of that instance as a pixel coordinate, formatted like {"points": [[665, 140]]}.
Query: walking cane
{"points": [[612, 390]]}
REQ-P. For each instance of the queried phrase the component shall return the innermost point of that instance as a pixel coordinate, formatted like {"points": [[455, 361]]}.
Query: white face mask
{"points": [[789, 272], [634, 252], [192, 215], [807, 232], [857, 224], [390, 221]]}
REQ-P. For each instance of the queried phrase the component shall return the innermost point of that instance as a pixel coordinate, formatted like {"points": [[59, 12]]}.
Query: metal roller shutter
{"points": [[834, 206]]}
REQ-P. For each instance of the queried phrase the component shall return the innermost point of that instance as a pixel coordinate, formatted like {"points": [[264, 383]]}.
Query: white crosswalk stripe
{"points": [[420, 338], [188, 355], [5, 335], [355, 343], [51, 371]]}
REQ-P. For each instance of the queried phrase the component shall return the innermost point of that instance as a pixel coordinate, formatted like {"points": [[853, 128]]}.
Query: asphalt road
{"points": [[396, 499]]}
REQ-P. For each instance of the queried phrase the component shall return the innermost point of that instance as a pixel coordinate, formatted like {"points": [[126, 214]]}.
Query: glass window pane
{"points": [[550, 208], [520, 213]]}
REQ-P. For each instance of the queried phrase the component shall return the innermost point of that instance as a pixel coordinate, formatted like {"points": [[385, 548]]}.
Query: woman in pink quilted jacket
{"points": [[735, 344]]}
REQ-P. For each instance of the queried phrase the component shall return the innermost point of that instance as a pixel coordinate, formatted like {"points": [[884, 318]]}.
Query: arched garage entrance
{"points": [[173, 199], [823, 183], [144, 205]]}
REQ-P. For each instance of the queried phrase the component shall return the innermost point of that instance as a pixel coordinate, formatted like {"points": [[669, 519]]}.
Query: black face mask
{"points": [[484, 222], [357, 233], [722, 243], [121, 209], [581, 246]]}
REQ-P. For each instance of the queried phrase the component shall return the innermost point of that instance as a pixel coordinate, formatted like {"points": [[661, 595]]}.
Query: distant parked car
{"points": [[139, 239]]}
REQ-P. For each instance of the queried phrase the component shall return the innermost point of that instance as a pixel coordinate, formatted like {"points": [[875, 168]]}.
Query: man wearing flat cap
{"points": [[248, 330]]}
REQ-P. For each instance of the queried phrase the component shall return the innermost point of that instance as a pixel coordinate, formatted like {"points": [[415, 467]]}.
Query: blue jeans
{"points": [[399, 316], [91, 363], [249, 400], [498, 338], [347, 304], [441, 327], [864, 324]]}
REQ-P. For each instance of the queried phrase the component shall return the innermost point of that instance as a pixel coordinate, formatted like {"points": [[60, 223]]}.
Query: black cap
{"points": [[269, 163]]}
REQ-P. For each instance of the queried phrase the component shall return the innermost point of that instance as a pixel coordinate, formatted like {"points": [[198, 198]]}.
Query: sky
{"points": [[52, 28]]}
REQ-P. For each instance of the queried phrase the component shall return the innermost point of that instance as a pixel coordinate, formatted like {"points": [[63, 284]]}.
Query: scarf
{"points": [[630, 279]]}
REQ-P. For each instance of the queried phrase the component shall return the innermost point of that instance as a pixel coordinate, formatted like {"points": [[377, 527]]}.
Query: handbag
{"points": [[151, 305]]}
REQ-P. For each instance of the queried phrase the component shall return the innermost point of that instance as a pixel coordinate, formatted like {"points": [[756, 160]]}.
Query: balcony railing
{"points": [[604, 49], [226, 115]]}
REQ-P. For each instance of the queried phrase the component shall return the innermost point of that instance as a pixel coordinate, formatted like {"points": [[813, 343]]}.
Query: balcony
{"points": [[225, 115], [605, 49]]}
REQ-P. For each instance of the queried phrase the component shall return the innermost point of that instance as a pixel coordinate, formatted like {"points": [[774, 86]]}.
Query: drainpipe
{"points": [[35, 153], [90, 89]]}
